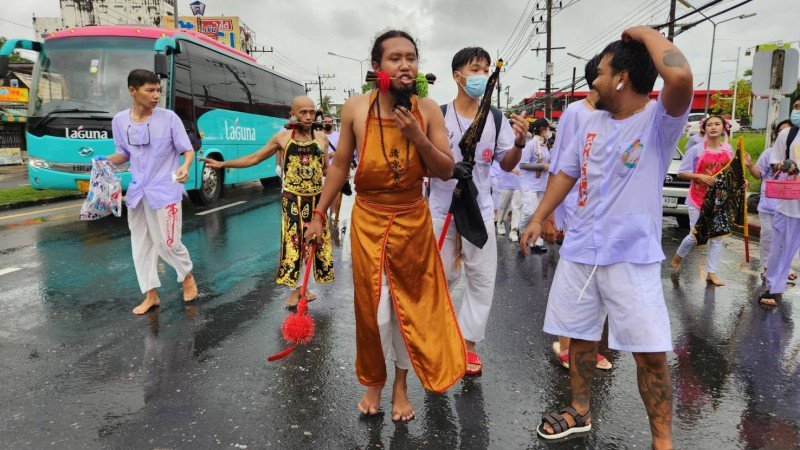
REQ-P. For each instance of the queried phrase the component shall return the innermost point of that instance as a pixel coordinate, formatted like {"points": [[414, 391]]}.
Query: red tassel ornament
{"points": [[298, 327], [383, 81]]}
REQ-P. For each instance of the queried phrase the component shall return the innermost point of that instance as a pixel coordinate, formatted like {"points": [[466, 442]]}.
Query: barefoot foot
{"points": [[148, 303], [712, 278], [189, 288], [401, 405], [371, 403], [293, 298]]}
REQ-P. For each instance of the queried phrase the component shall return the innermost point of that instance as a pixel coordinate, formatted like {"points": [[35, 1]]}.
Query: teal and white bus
{"points": [[230, 105]]}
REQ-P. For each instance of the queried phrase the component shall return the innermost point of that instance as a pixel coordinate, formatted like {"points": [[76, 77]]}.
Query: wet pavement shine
{"points": [[78, 370]]}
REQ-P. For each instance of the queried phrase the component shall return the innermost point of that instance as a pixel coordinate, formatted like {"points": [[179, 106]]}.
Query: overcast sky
{"points": [[303, 33]]}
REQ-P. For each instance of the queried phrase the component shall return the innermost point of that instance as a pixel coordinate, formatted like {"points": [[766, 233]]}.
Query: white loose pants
{"points": [[765, 238], [510, 200], [394, 347], [714, 244], [530, 201], [785, 244], [479, 266], [157, 233]]}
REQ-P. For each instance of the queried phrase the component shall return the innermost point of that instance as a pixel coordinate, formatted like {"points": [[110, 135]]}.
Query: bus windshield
{"points": [[87, 75]]}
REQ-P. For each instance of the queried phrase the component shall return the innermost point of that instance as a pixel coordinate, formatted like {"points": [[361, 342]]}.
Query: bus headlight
{"points": [[38, 163]]}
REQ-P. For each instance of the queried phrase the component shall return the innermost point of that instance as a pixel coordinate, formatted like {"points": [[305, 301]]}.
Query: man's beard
{"points": [[403, 95], [600, 105]]}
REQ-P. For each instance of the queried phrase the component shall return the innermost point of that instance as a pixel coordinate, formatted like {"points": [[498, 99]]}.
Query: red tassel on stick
{"points": [[298, 327]]}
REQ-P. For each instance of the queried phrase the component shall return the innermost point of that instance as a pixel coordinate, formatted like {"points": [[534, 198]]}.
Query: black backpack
{"points": [[497, 115]]}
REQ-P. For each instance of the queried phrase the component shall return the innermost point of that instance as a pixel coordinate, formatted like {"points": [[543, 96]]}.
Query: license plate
{"points": [[83, 185], [669, 202]]}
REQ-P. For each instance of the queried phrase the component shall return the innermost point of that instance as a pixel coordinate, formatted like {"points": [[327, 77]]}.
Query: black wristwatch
{"points": [[518, 145]]}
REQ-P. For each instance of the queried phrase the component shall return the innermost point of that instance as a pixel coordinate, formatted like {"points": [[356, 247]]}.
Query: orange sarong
{"points": [[391, 229]]}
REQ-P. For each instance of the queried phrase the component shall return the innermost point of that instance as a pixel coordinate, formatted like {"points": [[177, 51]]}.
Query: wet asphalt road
{"points": [[78, 370]]}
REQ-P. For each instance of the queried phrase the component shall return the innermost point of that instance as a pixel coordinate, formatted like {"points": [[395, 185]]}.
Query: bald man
{"points": [[304, 164]]}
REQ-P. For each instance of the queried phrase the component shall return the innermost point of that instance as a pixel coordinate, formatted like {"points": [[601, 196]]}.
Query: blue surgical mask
{"points": [[795, 117], [476, 85]]}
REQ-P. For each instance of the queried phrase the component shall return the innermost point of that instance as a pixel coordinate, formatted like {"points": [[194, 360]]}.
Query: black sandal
{"points": [[772, 299], [560, 426]]}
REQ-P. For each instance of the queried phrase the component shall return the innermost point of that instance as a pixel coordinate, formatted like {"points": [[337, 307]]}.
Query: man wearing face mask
{"points": [[497, 144], [786, 222], [534, 173], [333, 142], [610, 262]]}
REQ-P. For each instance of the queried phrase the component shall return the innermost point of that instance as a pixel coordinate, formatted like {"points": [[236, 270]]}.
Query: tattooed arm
{"points": [[670, 64]]}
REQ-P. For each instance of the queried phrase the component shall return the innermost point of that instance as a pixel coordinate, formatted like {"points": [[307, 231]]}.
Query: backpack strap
{"points": [[497, 115], [498, 123], [789, 139]]}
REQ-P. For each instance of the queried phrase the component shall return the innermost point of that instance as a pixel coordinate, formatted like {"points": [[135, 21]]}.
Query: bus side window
{"points": [[208, 80]]}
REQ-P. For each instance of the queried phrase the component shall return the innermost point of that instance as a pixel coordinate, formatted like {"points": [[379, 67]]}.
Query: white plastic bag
{"points": [[105, 193]]}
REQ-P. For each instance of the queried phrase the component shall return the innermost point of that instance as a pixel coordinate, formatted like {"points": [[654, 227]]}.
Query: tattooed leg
{"points": [[582, 361], [655, 387]]}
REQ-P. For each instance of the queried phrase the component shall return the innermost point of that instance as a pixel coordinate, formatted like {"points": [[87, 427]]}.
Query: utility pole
{"points": [[499, 86], [319, 83], [572, 92], [508, 97], [261, 49], [175, 12], [548, 77], [671, 31]]}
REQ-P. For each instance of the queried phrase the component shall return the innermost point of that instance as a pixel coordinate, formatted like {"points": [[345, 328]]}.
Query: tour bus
{"points": [[228, 103]]}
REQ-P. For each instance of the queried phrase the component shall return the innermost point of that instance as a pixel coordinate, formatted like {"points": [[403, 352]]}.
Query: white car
{"points": [[673, 200], [693, 124]]}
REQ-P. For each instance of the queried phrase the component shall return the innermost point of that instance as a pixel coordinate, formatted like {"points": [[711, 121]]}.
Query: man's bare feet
{"points": [[294, 298], [189, 288], [712, 278], [150, 301], [401, 405], [371, 403], [676, 263]]}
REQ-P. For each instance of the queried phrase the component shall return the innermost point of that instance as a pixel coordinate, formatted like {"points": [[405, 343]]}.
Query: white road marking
{"points": [[8, 270], [40, 211], [220, 208]]}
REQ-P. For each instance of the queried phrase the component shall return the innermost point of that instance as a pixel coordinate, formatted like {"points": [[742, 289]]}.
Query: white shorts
{"points": [[629, 294]]}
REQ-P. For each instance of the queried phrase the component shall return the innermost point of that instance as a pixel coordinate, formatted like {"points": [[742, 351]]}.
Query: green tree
{"points": [[326, 104], [14, 57], [724, 105], [366, 87]]}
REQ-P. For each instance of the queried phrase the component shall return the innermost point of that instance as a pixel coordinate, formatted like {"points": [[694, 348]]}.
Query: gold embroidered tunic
{"points": [[302, 184]]}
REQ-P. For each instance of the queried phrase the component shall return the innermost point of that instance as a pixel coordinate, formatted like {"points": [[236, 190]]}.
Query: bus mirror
{"points": [[3, 66], [162, 65]]}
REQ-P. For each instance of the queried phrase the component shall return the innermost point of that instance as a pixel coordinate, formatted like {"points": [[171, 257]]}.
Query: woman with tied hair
{"points": [[701, 164]]}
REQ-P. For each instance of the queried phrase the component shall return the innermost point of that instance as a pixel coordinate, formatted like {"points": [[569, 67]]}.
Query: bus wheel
{"points": [[210, 187]]}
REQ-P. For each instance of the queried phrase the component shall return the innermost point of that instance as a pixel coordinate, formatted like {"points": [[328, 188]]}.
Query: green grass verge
{"points": [[27, 193], [753, 145]]}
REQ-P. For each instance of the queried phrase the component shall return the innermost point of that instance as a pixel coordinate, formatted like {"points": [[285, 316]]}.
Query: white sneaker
{"points": [[501, 229], [513, 236]]}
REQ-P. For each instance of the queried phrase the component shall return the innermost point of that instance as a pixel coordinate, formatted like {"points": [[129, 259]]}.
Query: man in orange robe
{"points": [[401, 295]]}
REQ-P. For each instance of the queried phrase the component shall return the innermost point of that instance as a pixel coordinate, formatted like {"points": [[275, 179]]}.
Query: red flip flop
{"points": [[474, 359]]}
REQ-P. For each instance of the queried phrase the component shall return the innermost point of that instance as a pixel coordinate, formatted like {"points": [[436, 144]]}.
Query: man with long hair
{"points": [[402, 305]]}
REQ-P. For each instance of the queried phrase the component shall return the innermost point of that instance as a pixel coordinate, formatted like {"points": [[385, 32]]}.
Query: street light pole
{"points": [[735, 81], [713, 38], [710, 65], [360, 65]]}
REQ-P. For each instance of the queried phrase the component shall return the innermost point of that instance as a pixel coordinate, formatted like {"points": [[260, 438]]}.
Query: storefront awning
{"points": [[13, 115]]}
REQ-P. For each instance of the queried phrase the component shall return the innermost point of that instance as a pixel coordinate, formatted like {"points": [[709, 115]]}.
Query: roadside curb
{"points": [[47, 201]]}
